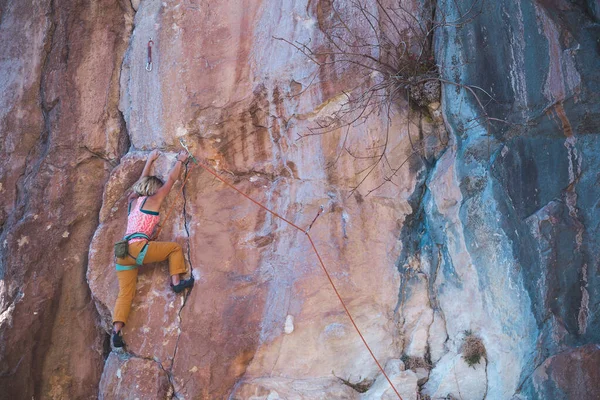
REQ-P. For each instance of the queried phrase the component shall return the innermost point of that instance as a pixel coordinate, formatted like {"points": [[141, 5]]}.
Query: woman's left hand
{"points": [[154, 155]]}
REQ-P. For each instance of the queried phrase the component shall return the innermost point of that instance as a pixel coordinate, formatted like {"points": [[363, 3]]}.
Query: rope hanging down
{"points": [[209, 170]]}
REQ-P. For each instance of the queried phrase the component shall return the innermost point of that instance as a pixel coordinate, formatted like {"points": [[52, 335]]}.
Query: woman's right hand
{"points": [[182, 156], [173, 175]]}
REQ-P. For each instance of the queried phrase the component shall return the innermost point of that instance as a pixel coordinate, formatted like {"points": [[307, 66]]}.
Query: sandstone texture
{"points": [[481, 218], [133, 378], [223, 84], [61, 134]]}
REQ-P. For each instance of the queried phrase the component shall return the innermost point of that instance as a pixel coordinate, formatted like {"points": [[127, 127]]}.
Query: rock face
{"points": [[571, 374], [510, 229], [485, 228], [61, 134], [122, 377], [232, 100]]}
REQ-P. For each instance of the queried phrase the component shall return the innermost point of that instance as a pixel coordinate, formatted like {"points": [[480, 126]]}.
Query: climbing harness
{"points": [[124, 245], [149, 61], [305, 231]]}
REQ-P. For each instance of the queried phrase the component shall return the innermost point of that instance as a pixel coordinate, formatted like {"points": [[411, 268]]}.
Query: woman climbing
{"points": [[143, 217]]}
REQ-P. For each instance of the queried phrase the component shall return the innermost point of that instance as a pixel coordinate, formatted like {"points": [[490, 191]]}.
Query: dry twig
{"points": [[394, 59]]}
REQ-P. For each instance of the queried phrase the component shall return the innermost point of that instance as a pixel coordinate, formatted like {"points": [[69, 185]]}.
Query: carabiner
{"points": [[190, 155]]}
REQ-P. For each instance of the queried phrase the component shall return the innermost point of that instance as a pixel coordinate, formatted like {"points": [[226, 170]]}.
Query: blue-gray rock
{"points": [[507, 218]]}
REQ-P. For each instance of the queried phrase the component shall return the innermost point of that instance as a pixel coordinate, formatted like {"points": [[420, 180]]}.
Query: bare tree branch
{"points": [[392, 58]]}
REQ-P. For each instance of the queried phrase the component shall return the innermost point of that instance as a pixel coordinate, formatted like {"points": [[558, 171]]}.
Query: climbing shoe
{"points": [[185, 283], [117, 339]]}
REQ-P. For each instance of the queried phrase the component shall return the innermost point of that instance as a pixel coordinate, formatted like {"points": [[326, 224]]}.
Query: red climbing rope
{"points": [[209, 170], [317, 254]]}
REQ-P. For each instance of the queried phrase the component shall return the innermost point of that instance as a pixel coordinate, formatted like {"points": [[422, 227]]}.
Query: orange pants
{"points": [[157, 251]]}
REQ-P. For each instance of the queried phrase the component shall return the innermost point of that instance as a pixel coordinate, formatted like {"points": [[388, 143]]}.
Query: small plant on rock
{"points": [[449, 397], [413, 363], [361, 386], [473, 349]]}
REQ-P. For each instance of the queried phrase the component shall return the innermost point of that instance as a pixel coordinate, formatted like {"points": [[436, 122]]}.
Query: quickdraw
{"points": [[313, 221], [149, 61], [190, 155]]}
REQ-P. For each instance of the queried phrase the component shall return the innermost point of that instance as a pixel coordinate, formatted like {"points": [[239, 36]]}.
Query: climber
{"points": [[144, 203]]}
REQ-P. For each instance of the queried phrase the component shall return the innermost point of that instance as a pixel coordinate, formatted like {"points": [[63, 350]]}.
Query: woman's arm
{"points": [[173, 176], [130, 199], [153, 156], [132, 196]]}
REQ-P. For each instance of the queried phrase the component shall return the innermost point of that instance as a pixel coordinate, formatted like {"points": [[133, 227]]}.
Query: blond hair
{"points": [[147, 186]]}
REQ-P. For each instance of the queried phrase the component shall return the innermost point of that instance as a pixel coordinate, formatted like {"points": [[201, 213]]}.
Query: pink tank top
{"points": [[140, 220]]}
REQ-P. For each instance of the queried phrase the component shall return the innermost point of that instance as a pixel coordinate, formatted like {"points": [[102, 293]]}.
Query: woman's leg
{"points": [[117, 326], [160, 251], [127, 283]]}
